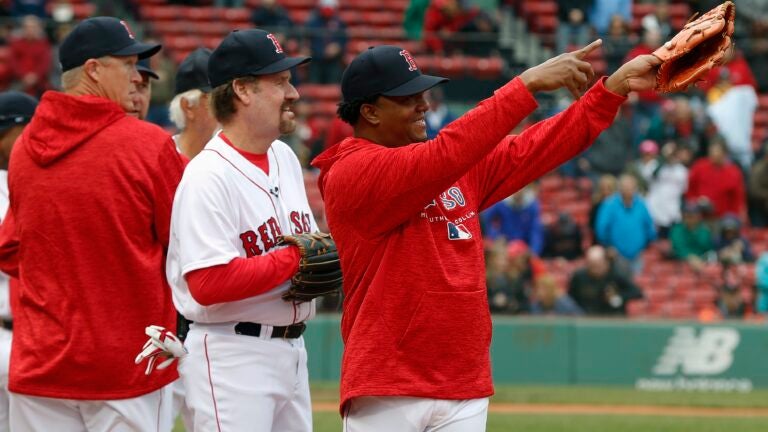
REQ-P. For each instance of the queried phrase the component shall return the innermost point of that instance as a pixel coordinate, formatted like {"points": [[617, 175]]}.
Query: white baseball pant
{"points": [[6, 337], [149, 412], [408, 414], [245, 383]]}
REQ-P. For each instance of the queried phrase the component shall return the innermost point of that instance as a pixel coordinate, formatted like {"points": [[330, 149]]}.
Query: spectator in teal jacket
{"points": [[623, 222], [691, 239]]}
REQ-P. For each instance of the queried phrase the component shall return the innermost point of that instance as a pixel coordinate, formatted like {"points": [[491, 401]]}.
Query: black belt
{"points": [[7, 324], [292, 331]]}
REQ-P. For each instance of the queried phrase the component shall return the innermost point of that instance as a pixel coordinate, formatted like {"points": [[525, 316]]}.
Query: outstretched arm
{"points": [[382, 187]]}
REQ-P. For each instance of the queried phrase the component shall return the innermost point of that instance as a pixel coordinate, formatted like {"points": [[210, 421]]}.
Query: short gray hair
{"points": [[175, 111], [71, 78]]}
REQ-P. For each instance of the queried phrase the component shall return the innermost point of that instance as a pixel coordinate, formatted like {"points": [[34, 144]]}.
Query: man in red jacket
{"points": [[404, 213], [31, 53], [720, 180], [91, 190]]}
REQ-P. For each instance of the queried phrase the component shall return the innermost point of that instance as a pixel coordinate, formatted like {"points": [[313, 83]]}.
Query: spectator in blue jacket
{"points": [[327, 42], [517, 218], [623, 222], [604, 10]]}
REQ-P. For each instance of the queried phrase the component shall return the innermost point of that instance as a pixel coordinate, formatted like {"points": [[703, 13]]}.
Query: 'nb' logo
{"points": [[710, 353]]}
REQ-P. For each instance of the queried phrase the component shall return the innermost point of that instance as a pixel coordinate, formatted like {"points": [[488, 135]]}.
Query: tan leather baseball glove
{"points": [[697, 48]]}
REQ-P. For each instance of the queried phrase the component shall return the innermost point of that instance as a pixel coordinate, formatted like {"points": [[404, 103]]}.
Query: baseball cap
{"points": [[247, 53], [386, 70], [16, 108], [143, 67], [649, 146], [101, 36], [516, 248], [730, 222], [691, 207], [193, 72]]}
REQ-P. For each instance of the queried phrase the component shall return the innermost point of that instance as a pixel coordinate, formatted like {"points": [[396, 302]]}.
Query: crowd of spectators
{"points": [[678, 172]]}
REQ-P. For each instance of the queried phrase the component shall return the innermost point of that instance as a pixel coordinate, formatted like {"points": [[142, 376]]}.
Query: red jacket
{"points": [[723, 185], [435, 21], [739, 73], [416, 319], [32, 56], [91, 192]]}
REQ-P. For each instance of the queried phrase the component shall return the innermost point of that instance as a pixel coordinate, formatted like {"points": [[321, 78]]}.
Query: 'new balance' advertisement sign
{"points": [[697, 360]]}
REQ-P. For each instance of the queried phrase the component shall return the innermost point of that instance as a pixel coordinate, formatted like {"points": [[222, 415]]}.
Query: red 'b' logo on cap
{"points": [[278, 48], [128, 29], [411, 62]]}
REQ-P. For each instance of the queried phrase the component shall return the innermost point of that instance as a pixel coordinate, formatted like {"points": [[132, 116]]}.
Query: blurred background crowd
{"points": [[665, 216]]}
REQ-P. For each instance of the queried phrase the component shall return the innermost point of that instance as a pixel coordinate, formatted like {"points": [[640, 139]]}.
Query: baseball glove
{"points": [[319, 267], [697, 48]]}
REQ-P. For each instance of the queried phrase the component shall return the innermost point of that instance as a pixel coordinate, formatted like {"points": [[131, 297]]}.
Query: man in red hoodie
{"points": [[404, 213], [91, 190]]}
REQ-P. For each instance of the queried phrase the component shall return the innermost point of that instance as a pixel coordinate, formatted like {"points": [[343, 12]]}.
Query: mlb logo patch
{"points": [[458, 232]]}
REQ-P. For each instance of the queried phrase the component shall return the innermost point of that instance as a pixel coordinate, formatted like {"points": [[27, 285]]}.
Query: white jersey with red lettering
{"points": [[226, 207]]}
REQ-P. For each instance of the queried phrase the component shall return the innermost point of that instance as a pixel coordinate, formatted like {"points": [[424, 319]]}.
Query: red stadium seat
{"points": [[546, 23], [484, 68], [637, 308], [295, 4], [320, 92], [678, 310], [201, 13], [236, 15], [763, 100], [161, 13]]}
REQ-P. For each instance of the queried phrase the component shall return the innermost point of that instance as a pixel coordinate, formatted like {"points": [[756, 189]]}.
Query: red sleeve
{"points": [[170, 167], [242, 278], [520, 159], [9, 246], [386, 186]]}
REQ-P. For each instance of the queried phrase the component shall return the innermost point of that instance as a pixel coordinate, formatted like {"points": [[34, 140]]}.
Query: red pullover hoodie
{"points": [[416, 320], [91, 192]]}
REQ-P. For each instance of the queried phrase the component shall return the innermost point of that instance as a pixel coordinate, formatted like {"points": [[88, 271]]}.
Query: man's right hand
{"points": [[568, 70]]}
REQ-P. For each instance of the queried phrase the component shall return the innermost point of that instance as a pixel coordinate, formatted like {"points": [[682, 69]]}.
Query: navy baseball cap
{"points": [[98, 37], [16, 108], [385, 70], [248, 53], [193, 72], [143, 67]]}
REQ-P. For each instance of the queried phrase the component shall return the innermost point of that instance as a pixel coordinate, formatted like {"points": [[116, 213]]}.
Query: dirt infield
{"points": [[646, 410]]}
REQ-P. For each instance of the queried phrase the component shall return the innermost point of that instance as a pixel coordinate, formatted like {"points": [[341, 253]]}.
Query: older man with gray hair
{"points": [[91, 190], [189, 109]]}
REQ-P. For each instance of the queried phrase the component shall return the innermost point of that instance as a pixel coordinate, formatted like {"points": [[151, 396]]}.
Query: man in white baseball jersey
{"points": [[247, 365], [190, 108], [16, 110]]}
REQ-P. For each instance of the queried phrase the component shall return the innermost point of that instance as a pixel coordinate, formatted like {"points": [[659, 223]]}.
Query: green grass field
{"points": [[329, 421]]}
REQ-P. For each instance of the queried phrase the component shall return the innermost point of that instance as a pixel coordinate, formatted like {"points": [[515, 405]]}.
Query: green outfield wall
{"points": [[664, 355]]}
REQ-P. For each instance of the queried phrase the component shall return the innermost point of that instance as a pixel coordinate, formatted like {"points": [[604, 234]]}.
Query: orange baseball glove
{"points": [[697, 48]]}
